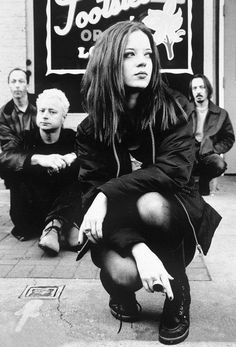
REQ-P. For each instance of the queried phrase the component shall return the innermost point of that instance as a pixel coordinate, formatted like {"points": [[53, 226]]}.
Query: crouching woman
{"points": [[136, 152]]}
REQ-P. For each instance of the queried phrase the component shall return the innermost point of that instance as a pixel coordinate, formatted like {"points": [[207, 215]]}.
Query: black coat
{"points": [[39, 193], [16, 159], [218, 132], [167, 158]]}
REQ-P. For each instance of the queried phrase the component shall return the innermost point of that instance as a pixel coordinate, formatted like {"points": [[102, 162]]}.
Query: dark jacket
{"points": [[16, 160], [11, 130], [167, 158], [218, 133], [40, 194]]}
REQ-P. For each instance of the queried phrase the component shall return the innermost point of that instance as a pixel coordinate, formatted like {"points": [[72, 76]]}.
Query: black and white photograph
{"points": [[117, 173]]}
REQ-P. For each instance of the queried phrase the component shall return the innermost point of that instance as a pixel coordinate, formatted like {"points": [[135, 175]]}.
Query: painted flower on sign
{"points": [[166, 25]]}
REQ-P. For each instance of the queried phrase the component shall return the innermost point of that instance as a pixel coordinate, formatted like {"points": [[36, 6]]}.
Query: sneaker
{"points": [[174, 325], [69, 238], [126, 311], [49, 240]]}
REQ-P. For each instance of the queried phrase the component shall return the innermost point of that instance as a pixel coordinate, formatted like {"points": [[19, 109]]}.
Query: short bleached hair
{"points": [[55, 93]]}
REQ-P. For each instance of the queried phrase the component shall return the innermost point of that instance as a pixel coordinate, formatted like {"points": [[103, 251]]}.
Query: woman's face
{"points": [[137, 65]]}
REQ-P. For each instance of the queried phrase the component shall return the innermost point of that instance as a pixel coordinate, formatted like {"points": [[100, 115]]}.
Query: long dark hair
{"points": [[103, 87]]}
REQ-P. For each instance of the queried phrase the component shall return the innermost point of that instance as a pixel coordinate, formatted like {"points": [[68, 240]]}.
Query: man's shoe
{"points": [[126, 311], [49, 240], [174, 325], [205, 192], [19, 234]]}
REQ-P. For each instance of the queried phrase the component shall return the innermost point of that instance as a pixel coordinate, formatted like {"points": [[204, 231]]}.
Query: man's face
{"points": [[50, 114], [18, 84], [199, 90]]}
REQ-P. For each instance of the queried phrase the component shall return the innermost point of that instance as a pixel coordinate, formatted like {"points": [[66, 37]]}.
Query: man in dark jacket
{"points": [[19, 113], [16, 115], [43, 163], [213, 131]]}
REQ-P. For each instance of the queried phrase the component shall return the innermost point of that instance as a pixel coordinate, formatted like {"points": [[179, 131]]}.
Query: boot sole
{"points": [[175, 340], [48, 250], [123, 317]]}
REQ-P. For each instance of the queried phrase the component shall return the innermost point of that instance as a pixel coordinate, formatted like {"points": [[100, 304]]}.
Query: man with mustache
{"points": [[213, 131]]}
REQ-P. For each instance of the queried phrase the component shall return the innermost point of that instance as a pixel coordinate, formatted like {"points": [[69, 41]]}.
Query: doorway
{"points": [[230, 74]]}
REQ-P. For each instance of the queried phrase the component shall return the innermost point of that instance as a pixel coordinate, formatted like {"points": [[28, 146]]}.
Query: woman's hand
{"points": [[92, 223], [151, 269]]}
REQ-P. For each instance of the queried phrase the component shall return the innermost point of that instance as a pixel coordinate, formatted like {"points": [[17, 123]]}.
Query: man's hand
{"points": [[92, 223], [69, 158], [54, 162]]}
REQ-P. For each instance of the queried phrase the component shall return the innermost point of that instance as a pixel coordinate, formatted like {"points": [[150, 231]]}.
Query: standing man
{"points": [[17, 115], [213, 131]]}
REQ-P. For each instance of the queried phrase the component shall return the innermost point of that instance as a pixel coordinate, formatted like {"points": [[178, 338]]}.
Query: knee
{"points": [[123, 277], [221, 167], [218, 166], [153, 209], [121, 271], [213, 165]]}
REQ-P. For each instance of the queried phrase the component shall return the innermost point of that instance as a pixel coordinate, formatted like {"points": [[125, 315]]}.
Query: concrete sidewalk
{"points": [[59, 302]]}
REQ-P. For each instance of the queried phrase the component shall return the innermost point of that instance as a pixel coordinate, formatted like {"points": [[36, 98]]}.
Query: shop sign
{"points": [[73, 26]]}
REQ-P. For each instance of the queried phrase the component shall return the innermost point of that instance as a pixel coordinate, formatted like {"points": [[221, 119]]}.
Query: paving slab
{"points": [[80, 315]]}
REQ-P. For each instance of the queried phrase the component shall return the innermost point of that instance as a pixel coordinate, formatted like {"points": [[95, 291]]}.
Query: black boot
{"points": [[125, 309], [174, 325]]}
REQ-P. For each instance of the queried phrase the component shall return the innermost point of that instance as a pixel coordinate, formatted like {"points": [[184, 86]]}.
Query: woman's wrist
{"points": [[139, 250], [102, 197]]}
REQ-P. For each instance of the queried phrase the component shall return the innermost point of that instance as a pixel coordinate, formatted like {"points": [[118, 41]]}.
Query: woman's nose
{"points": [[141, 61]]}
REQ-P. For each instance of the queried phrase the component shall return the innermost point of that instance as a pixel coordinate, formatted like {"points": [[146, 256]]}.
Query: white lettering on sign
{"points": [[87, 35], [82, 54], [110, 8]]}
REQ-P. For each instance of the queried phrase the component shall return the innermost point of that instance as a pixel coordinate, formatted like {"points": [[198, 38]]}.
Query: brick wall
{"points": [[13, 41]]}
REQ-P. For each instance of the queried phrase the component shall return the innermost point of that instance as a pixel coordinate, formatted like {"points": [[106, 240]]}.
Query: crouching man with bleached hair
{"points": [[46, 166]]}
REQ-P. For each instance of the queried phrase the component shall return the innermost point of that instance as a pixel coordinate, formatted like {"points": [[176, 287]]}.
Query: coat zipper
{"points": [[116, 157]]}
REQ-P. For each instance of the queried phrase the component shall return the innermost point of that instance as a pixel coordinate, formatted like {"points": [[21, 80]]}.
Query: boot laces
{"points": [[119, 315]]}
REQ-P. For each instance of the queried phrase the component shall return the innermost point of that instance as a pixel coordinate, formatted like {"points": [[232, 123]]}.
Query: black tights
{"points": [[167, 235]]}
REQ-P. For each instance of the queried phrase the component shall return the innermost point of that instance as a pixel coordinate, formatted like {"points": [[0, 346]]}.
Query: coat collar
{"points": [[213, 108], [10, 105]]}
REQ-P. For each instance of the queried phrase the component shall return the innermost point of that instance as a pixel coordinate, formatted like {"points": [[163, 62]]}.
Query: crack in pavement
{"points": [[61, 313]]}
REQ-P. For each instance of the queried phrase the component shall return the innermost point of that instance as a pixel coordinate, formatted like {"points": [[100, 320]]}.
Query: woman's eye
{"points": [[148, 54], [128, 54]]}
